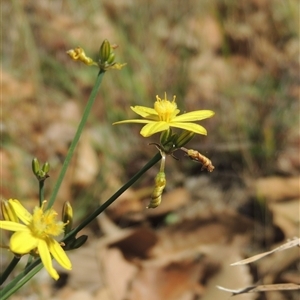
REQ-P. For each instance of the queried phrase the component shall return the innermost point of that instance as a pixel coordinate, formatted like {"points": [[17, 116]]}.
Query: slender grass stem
{"points": [[41, 192], [78, 133], [9, 269]]}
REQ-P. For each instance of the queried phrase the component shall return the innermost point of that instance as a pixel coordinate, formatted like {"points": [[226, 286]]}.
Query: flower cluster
{"points": [[106, 58], [162, 118], [36, 234]]}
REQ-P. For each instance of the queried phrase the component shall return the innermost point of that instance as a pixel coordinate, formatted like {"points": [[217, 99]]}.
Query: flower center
{"points": [[44, 223], [166, 109]]}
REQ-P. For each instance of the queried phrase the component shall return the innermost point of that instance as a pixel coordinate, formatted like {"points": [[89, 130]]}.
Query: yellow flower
{"points": [[37, 232], [165, 115]]}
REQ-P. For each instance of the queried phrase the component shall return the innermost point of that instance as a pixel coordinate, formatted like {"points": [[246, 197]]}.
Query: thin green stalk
{"points": [[76, 137], [21, 279], [41, 191], [9, 269], [117, 194]]}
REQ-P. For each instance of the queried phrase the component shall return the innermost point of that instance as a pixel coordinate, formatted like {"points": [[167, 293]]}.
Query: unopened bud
{"points": [[76, 243], [67, 217], [183, 138], [35, 166], [46, 167], [105, 51]]}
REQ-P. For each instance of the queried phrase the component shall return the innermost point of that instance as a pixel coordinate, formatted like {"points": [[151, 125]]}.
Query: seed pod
{"points": [[160, 183], [206, 163]]}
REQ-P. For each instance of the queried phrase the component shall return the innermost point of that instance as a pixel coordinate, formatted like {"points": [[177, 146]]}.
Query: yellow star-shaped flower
{"points": [[165, 115], [37, 232]]}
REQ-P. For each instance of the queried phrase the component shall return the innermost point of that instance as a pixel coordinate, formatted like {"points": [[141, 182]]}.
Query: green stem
{"points": [[41, 191], [76, 137], [9, 269], [117, 194], [21, 279]]}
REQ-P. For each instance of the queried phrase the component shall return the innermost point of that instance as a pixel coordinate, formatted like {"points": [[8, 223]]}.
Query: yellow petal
{"points": [[59, 254], [46, 259], [194, 116], [154, 127], [21, 212], [190, 127], [12, 226], [22, 242], [133, 121], [145, 112]]}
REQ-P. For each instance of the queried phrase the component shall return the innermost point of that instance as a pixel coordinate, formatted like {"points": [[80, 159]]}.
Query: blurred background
{"points": [[237, 58]]}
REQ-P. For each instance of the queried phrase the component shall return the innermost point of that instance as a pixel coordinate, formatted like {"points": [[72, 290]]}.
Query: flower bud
{"points": [[160, 183], [165, 136], [46, 167], [76, 243], [35, 166], [183, 138], [111, 58], [67, 217], [40, 173], [105, 51]]}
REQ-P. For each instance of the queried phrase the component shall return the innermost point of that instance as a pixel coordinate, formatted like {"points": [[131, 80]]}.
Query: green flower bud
{"points": [[183, 138], [105, 51], [111, 58], [78, 242], [165, 136], [35, 166], [67, 217], [46, 167]]}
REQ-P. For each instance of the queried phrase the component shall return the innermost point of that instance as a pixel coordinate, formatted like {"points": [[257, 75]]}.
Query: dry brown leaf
{"points": [[286, 215], [86, 270], [203, 229], [167, 279], [118, 272], [127, 206], [227, 276], [170, 201], [278, 188], [87, 165], [271, 267]]}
